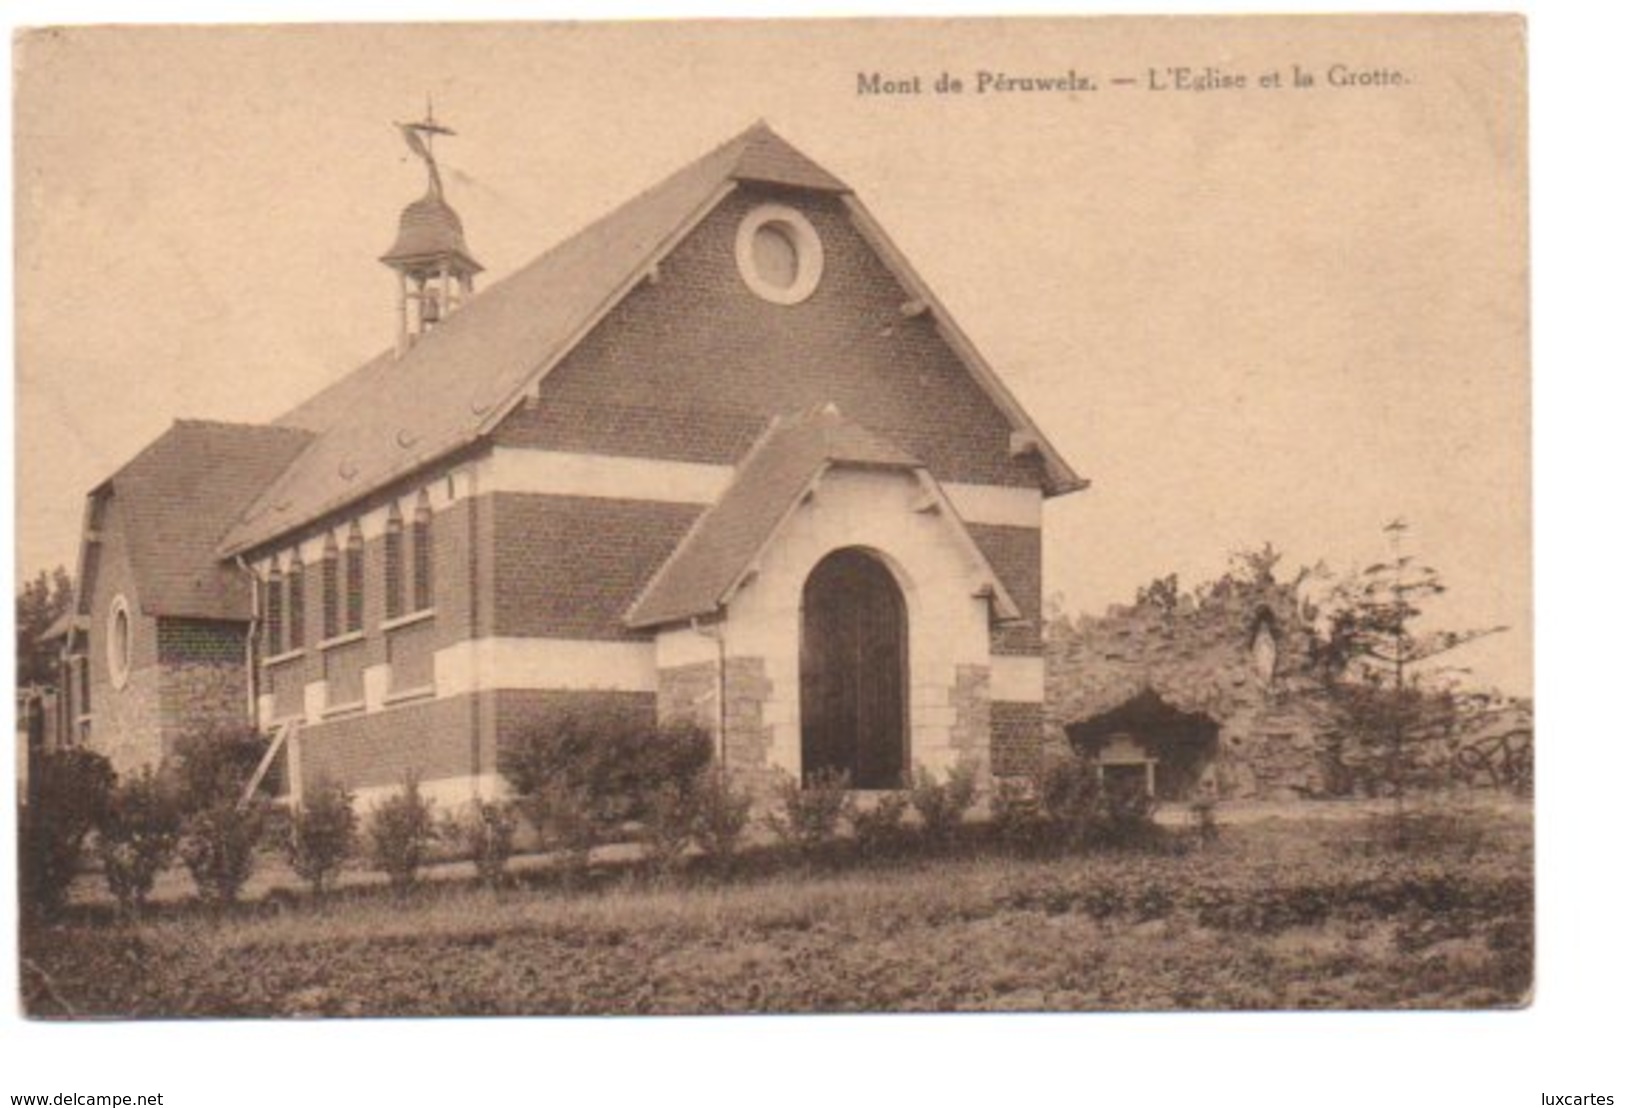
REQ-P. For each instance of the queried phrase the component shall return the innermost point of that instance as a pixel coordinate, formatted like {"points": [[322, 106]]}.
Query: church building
{"points": [[720, 456]]}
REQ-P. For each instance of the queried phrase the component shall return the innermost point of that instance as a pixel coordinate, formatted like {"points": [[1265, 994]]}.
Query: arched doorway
{"points": [[854, 671]]}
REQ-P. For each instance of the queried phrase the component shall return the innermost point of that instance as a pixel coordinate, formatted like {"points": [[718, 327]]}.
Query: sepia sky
{"points": [[1245, 314]]}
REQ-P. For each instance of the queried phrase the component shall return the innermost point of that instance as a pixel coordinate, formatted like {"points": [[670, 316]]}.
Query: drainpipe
{"points": [[248, 646], [714, 631]]}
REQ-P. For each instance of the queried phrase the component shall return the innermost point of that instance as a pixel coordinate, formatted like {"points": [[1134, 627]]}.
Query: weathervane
{"points": [[420, 140]]}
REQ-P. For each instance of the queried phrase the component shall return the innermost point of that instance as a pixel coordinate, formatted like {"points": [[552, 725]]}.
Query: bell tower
{"points": [[433, 263]]}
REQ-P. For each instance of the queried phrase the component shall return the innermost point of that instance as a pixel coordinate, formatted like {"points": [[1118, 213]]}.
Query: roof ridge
{"points": [[187, 421]]}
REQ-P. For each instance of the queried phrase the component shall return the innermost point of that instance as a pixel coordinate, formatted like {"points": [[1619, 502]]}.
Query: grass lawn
{"points": [[1281, 912]]}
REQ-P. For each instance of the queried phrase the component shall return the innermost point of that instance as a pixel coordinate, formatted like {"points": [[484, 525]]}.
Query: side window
{"points": [[355, 579], [330, 588], [422, 555], [274, 643], [394, 567], [294, 587]]}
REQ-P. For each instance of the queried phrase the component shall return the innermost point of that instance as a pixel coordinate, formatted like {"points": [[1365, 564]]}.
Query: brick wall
{"points": [[569, 567], [285, 684], [519, 712], [432, 739], [692, 367], [1016, 554], [201, 642], [410, 652], [1018, 737], [203, 680], [341, 669]]}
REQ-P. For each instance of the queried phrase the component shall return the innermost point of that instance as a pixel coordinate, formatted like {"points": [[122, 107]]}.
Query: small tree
{"points": [[219, 844], [1017, 815], [1070, 798], [321, 835], [943, 805], [71, 794], [1375, 658], [40, 602], [213, 765], [222, 828], [485, 828], [138, 837], [668, 826], [808, 816], [721, 815], [399, 834], [878, 828], [570, 819], [581, 776]]}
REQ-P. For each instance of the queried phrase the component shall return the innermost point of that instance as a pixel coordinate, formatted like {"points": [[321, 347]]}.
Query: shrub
{"points": [[568, 819], [321, 834], [674, 756], [399, 833], [601, 769], [1069, 794], [1082, 813], [138, 837], [942, 805], [1017, 817], [1128, 820], [668, 826], [721, 814], [810, 815], [218, 845], [214, 765], [485, 829], [878, 828], [70, 798]]}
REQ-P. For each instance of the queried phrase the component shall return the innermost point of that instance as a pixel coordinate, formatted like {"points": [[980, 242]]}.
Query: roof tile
{"points": [[180, 495]]}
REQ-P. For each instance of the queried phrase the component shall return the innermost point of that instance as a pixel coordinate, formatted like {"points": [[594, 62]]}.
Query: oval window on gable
{"points": [[774, 254], [779, 254], [118, 642]]}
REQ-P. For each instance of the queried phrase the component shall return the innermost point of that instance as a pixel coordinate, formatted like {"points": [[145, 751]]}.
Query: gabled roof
{"points": [[395, 414], [177, 498], [717, 554]]}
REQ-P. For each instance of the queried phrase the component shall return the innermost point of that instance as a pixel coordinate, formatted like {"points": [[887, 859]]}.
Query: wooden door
{"points": [[854, 672]]}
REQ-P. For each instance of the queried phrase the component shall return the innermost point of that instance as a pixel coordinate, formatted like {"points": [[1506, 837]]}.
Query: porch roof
{"points": [[716, 556]]}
